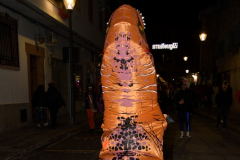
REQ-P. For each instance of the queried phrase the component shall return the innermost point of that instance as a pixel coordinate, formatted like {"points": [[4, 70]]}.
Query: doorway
{"points": [[35, 61]]}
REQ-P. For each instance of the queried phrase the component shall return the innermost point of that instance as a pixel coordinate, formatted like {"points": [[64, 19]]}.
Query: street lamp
{"points": [[185, 58], [69, 4], [203, 37]]}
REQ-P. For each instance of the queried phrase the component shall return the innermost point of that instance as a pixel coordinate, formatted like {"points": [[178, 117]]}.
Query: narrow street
{"points": [[207, 143], [80, 146]]}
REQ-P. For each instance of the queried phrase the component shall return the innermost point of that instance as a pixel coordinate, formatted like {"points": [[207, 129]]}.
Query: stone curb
{"points": [[62, 135]]}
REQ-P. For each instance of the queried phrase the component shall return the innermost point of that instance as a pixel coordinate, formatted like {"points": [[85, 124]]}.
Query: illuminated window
{"points": [[9, 53]]}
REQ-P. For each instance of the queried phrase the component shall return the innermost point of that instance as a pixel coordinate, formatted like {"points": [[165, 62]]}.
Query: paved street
{"points": [[80, 146], [207, 143]]}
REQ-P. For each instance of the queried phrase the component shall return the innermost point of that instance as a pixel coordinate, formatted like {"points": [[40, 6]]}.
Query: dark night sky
{"points": [[182, 13]]}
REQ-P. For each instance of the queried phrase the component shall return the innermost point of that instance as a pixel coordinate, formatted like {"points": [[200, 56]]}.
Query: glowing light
{"points": [[69, 4], [157, 75], [165, 46], [187, 71], [143, 17], [195, 77], [203, 36], [185, 58]]}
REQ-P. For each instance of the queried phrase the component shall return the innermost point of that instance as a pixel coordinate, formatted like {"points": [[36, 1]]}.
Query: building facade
{"points": [[34, 51], [221, 51]]}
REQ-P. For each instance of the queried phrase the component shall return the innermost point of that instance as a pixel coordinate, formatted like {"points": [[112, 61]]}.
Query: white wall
{"points": [[48, 8], [80, 22], [14, 84]]}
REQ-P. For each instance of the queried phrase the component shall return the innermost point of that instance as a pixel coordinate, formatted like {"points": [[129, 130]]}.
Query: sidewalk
{"points": [[233, 117], [17, 143]]}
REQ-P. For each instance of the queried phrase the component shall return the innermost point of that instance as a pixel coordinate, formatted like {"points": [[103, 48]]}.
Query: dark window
{"points": [[9, 54], [100, 19], [78, 5], [90, 10]]}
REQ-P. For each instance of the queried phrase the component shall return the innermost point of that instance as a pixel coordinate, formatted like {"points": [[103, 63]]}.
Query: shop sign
{"points": [[165, 46]]}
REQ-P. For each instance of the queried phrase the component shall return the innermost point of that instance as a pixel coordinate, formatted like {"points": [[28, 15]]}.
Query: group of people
{"points": [[186, 98], [52, 99], [183, 98], [204, 96]]}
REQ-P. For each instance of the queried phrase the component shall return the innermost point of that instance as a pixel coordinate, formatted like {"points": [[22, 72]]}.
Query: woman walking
{"points": [[90, 104]]}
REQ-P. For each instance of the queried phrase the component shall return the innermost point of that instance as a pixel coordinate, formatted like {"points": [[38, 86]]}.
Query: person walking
{"points": [[224, 101], [163, 99], [54, 101], [215, 92], [39, 103], [90, 105], [183, 101]]}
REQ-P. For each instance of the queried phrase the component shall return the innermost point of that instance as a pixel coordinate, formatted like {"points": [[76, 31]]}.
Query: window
{"points": [[90, 10], [9, 53]]}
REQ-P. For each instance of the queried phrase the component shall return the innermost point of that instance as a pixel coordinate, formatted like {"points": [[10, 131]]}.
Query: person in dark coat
{"points": [[224, 101], [163, 99], [39, 103], [183, 101], [54, 101], [90, 105]]}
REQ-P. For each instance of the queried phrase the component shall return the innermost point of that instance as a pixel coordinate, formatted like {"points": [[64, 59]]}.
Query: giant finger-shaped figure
{"points": [[133, 122]]}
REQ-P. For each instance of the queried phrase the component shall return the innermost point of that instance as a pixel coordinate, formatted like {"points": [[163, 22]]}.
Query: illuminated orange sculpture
{"points": [[133, 122]]}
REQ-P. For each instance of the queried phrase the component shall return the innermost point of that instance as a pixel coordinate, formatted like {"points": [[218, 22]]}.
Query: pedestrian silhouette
{"points": [[39, 103], [54, 102]]}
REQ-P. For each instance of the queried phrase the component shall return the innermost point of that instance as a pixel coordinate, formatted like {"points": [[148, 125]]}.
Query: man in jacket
{"points": [[183, 101], [224, 101], [39, 103], [54, 102]]}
